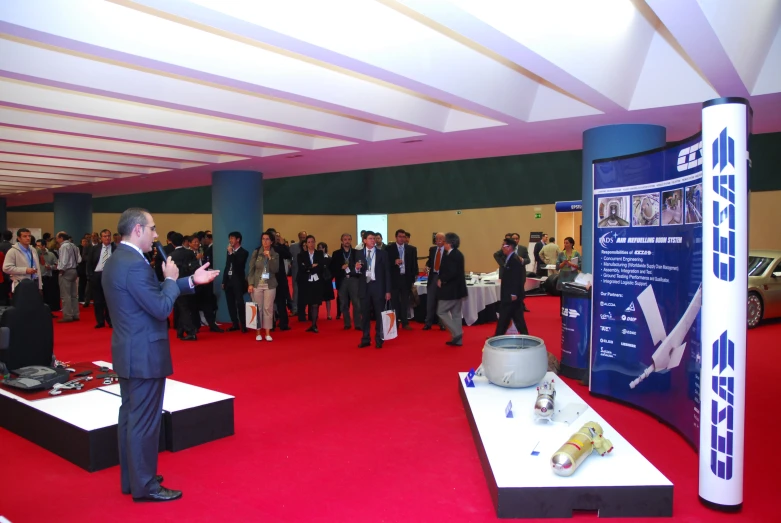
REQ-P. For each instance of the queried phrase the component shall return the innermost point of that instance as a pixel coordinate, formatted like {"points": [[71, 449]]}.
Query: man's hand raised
{"points": [[170, 270], [202, 276]]}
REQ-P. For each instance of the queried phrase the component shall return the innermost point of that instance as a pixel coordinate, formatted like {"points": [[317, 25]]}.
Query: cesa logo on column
{"points": [[724, 240], [722, 428], [724, 246]]}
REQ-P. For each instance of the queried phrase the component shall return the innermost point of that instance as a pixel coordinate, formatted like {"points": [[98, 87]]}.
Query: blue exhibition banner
{"points": [[647, 293]]}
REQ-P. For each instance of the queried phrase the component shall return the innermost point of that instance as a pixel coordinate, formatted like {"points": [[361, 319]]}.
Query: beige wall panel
{"points": [[481, 230], [44, 220], [325, 228], [763, 220]]}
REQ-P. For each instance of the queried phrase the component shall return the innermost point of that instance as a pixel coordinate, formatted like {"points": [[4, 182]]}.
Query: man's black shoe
{"points": [[407, 327], [455, 342], [164, 494], [427, 327], [189, 337], [158, 478], [364, 344], [233, 328], [378, 344], [100, 325], [284, 328], [312, 329], [243, 329], [215, 328], [347, 327]]}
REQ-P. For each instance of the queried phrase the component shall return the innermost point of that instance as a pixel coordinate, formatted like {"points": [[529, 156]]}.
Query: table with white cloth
{"points": [[481, 295]]}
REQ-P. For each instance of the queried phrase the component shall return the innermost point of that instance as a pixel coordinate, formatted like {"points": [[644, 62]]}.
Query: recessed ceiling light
{"points": [[412, 141]]}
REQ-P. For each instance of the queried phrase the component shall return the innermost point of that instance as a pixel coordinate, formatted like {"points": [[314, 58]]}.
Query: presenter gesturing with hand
{"points": [[140, 349]]}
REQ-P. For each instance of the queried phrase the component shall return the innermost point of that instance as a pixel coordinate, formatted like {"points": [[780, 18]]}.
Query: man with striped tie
{"points": [[99, 255], [435, 254]]}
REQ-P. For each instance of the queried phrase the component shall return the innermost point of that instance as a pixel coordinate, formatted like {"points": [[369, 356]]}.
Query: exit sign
{"points": [[537, 215]]}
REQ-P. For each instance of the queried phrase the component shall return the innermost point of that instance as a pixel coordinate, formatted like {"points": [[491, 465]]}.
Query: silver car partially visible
{"points": [[764, 286]]}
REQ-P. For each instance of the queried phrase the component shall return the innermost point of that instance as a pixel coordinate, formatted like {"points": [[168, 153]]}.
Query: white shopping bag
{"points": [[389, 330], [251, 315]]}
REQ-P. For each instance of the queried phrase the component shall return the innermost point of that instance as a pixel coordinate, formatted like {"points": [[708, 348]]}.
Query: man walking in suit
{"points": [[204, 294], [512, 292], [374, 289], [540, 264], [435, 255], [233, 281], [98, 256], [404, 269], [452, 289], [140, 350], [343, 268]]}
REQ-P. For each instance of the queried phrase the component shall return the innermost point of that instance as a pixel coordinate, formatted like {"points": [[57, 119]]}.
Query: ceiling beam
{"points": [[78, 154], [50, 169], [690, 28]]}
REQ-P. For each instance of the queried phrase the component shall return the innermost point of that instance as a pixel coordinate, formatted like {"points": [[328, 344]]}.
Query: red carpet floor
{"points": [[327, 432]]}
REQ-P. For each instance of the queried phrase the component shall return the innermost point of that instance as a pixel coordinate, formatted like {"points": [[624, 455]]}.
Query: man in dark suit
{"points": [[452, 289], [140, 350], [436, 254], [541, 271], [282, 295], [204, 294], [185, 304], [96, 261], [520, 251], [374, 288], [404, 269], [234, 280], [512, 293], [343, 268]]}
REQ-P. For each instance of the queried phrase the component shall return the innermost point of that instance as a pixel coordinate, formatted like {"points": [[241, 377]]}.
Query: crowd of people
{"points": [[369, 277]]}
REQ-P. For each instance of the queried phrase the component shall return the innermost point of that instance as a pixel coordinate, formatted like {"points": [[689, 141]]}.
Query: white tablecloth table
{"points": [[480, 296]]}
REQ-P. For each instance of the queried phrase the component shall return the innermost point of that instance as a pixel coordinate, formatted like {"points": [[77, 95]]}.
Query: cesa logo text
{"points": [[723, 388], [690, 157], [723, 184]]}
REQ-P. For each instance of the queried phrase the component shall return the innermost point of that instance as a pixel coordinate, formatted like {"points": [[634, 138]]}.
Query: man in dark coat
{"points": [[512, 292], [452, 289]]}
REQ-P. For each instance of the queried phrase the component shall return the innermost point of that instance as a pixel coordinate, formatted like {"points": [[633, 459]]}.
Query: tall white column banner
{"points": [[725, 128]]}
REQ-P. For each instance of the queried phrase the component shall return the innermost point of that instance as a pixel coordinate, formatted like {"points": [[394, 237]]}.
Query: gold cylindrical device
{"points": [[578, 447]]}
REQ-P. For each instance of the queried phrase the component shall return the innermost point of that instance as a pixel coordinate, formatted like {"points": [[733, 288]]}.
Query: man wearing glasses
{"points": [[140, 349]]}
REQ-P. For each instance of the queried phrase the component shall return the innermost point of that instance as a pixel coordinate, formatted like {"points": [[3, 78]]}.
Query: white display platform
{"points": [[192, 415], [620, 484], [82, 427]]}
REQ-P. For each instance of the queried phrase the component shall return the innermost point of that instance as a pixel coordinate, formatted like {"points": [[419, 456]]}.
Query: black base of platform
{"points": [[553, 502], [91, 450], [190, 427]]}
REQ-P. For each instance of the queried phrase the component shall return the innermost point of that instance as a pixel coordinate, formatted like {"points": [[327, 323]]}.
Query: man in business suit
{"points": [[140, 350], [520, 251], [98, 256], [185, 305], [452, 289], [283, 290], [541, 271], [204, 294], [295, 250], [404, 269], [343, 268], [436, 254], [512, 293], [233, 281], [374, 288]]}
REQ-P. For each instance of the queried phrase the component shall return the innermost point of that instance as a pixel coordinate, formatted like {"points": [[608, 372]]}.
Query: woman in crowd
{"points": [[262, 279], [568, 262], [328, 286], [310, 279]]}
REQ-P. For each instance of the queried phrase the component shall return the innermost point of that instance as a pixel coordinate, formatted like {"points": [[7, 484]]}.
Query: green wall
{"points": [[465, 184]]}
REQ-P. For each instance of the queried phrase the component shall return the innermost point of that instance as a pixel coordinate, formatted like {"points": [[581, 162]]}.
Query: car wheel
{"points": [[754, 311]]}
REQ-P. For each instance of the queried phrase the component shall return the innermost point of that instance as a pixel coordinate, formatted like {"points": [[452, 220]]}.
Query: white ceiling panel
{"points": [[94, 92]]}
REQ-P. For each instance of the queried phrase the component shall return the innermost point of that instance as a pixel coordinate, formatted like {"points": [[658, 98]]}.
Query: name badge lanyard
{"points": [[29, 254]]}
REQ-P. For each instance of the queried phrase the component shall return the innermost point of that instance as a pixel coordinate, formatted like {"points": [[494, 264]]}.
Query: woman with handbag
{"points": [[310, 279], [262, 281]]}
